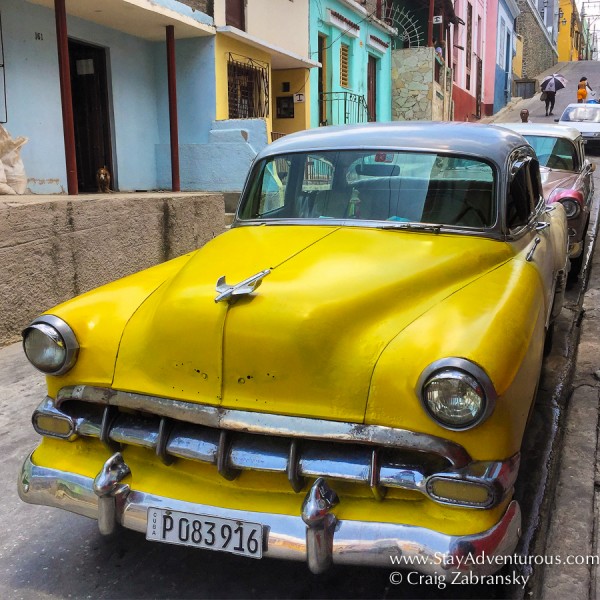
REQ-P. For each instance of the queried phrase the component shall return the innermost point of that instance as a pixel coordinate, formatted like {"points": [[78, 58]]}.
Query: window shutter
{"points": [[344, 54]]}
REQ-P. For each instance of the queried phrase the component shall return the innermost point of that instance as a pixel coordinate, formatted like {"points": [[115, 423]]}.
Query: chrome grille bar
{"points": [[269, 424], [345, 457]]}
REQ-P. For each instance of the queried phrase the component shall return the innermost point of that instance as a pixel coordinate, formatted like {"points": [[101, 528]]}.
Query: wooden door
{"points": [[372, 89], [90, 113]]}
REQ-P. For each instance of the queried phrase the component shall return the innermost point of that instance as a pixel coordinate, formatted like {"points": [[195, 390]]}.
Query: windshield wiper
{"points": [[411, 227]]}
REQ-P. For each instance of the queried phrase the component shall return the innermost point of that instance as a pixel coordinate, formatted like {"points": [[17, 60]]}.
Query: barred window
{"points": [[344, 66], [247, 88]]}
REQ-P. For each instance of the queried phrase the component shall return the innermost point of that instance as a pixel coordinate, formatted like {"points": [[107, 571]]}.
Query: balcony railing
{"points": [[343, 108]]}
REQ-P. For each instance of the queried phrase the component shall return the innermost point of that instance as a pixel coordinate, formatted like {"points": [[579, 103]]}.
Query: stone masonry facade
{"points": [[415, 93], [538, 52]]}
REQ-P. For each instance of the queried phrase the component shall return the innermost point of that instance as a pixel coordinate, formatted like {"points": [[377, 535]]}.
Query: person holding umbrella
{"points": [[550, 85]]}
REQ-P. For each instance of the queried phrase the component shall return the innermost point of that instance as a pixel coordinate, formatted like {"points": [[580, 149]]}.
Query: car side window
{"points": [[522, 196]]}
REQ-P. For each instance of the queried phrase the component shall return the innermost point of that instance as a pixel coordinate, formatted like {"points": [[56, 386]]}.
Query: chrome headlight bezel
{"points": [[59, 333], [470, 370], [571, 206]]}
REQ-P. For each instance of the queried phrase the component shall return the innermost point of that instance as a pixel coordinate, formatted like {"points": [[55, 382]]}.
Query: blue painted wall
{"points": [[359, 52], [34, 106], [214, 155], [504, 41], [33, 93]]}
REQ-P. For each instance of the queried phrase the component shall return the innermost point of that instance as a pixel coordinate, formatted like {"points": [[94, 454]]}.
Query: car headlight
{"points": [[456, 393], [571, 207], [50, 345]]}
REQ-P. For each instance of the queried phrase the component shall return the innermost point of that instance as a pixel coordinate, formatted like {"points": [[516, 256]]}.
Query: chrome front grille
{"points": [[235, 441]]}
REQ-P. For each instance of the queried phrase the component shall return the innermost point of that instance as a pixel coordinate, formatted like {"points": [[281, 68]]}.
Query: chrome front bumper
{"points": [[315, 536]]}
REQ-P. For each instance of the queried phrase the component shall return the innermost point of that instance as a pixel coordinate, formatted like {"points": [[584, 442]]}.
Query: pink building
{"points": [[467, 57]]}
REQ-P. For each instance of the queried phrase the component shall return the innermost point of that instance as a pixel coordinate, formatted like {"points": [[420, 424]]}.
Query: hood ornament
{"points": [[243, 288]]}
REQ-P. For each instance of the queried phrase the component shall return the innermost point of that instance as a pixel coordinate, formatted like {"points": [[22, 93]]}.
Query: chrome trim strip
{"points": [[355, 542], [269, 424], [491, 232]]}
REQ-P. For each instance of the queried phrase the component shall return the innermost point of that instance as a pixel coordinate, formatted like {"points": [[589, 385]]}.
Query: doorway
{"points": [[89, 89], [323, 88], [372, 89]]}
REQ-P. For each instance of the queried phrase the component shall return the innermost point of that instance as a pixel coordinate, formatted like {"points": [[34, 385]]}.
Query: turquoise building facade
{"points": [[353, 45]]}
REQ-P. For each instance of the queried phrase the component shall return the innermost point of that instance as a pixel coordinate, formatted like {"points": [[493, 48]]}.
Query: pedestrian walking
{"points": [[550, 85], [549, 99], [582, 87]]}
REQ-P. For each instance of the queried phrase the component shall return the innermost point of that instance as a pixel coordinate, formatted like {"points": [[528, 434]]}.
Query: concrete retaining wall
{"points": [[55, 247]]}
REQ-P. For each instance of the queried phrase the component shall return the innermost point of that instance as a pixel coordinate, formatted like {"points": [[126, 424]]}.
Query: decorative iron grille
{"points": [[247, 88], [342, 108]]}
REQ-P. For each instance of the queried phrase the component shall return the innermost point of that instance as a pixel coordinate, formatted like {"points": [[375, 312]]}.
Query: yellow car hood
{"points": [[306, 341]]}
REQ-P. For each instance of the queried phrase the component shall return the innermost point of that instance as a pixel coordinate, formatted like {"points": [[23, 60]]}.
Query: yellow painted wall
{"points": [[517, 64], [282, 23], [299, 83], [223, 46], [565, 41]]}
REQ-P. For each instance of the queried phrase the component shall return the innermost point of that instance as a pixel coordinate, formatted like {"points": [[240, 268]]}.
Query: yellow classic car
{"points": [[344, 376]]}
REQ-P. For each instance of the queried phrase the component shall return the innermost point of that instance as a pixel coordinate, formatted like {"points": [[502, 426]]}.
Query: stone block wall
{"points": [[415, 93], [55, 247], [539, 54]]}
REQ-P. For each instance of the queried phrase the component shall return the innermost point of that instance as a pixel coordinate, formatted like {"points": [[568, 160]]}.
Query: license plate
{"points": [[205, 531]]}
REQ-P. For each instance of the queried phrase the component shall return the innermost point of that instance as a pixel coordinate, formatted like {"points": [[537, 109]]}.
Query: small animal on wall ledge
{"points": [[103, 180]]}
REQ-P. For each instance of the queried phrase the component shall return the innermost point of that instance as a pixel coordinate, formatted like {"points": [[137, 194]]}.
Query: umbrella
{"points": [[553, 83]]}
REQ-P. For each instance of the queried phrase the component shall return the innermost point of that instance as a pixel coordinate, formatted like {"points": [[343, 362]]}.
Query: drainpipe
{"points": [[65, 96], [172, 79]]}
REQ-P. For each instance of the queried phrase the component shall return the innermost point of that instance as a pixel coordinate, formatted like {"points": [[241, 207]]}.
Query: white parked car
{"points": [[585, 118]]}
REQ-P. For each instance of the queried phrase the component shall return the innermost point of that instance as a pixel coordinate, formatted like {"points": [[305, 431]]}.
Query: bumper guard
{"points": [[315, 536]]}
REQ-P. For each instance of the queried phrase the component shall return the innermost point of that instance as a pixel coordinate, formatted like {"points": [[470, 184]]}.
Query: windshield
{"points": [[584, 112], [554, 153], [374, 185]]}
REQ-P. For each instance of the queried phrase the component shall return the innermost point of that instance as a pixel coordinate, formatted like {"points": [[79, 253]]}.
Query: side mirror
{"points": [[556, 120]]}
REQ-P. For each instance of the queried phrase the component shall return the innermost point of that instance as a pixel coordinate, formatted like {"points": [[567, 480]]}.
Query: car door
{"points": [[529, 223]]}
